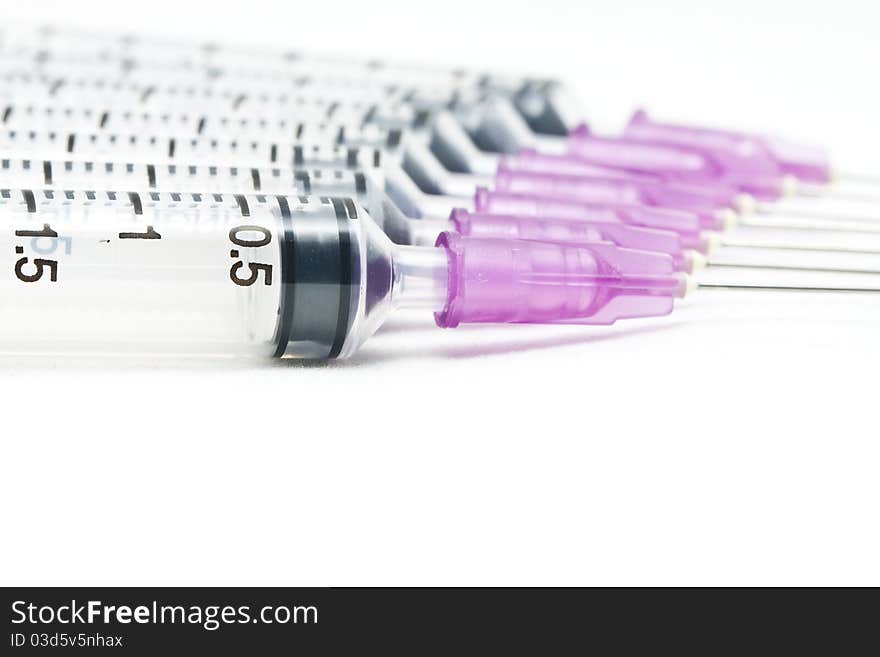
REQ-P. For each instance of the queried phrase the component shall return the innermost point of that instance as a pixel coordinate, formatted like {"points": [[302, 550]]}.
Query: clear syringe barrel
{"points": [[545, 104], [302, 124], [161, 90], [141, 52], [194, 274], [230, 60], [136, 158], [99, 174], [234, 109], [151, 148], [189, 65], [365, 188], [164, 96]]}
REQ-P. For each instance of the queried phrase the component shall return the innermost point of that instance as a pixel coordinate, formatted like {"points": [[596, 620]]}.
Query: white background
{"points": [[734, 442]]}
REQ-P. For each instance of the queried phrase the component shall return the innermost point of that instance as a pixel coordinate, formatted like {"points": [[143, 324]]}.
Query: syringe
{"points": [[601, 225], [262, 276], [206, 274]]}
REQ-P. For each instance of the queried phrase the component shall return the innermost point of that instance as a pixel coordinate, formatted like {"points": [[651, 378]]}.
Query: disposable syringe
{"points": [[148, 178], [205, 179], [599, 224], [205, 274], [261, 276]]}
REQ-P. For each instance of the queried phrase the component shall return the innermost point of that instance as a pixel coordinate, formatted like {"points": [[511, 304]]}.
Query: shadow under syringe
{"points": [[498, 341]]}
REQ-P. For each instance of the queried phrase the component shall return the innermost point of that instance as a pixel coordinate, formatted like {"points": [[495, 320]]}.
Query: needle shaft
{"points": [[744, 244], [770, 266], [773, 225], [784, 288]]}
